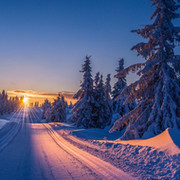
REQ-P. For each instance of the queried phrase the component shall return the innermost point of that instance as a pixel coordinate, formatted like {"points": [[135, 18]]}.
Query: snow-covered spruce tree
{"points": [[58, 109], [13, 104], [96, 79], [57, 112], [10, 107], [16, 103], [118, 106], [158, 89], [70, 105], [107, 88], [3, 102], [83, 109], [48, 115], [101, 111], [121, 81], [46, 105]]}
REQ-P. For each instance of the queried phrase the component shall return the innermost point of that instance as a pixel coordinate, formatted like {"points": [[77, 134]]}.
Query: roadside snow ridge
{"points": [[168, 141]]}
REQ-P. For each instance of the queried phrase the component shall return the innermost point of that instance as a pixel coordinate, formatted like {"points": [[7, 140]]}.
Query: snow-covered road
{"points": [[38, 152]]}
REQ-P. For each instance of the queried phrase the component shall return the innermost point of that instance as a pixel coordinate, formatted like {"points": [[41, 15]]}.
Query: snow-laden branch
{"points": [[133, 68]]}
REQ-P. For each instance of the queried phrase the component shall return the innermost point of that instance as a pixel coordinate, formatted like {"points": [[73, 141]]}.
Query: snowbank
{"points": [[168, 141]]}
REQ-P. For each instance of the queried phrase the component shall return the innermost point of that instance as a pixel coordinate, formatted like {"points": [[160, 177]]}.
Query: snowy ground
{"points": [[30, 149], [155, 158], [37, 151]]}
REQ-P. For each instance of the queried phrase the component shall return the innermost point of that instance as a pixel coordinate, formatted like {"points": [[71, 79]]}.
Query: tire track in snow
{"points": [[76, 159], [6, 139], [98, 166]]}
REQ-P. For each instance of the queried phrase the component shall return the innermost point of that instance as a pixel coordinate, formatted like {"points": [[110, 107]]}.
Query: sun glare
{"points": [[25, 100]]}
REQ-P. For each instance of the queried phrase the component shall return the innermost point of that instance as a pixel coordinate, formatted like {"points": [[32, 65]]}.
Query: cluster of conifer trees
{"points": [[93, 108], [8, 105], [152, 103], [55, 111]]}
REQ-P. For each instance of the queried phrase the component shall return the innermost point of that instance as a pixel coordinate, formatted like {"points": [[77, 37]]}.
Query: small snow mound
{"points": [[166, 141]]}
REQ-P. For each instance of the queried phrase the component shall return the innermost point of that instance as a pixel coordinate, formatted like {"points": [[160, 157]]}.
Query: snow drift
{"points": [[168, 141]]}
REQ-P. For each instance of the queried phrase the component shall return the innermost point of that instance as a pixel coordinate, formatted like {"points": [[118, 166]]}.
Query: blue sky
{"points": [[43, 42]]}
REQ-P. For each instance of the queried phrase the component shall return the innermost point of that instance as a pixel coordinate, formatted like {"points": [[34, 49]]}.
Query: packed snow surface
{"points": [[39, 152]]}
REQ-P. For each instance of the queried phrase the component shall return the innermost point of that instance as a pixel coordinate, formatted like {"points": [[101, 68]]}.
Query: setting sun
{"points": [[25, 100]]}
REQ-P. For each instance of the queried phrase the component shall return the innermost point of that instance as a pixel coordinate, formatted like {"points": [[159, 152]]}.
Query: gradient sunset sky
{"points": [[43, 42]]}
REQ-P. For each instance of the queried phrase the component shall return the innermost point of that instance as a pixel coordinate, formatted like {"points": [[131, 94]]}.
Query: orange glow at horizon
{"points": [[32, 97]]}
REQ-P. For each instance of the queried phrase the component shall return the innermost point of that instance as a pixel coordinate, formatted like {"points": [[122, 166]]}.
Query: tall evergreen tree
{"points": [[121, 81], [8, 105], [3, 102], [56, 112], [46, 105], [11, 107], [83, 109], [70, 105], [118, 107], [101, 110], [117, 104], [158, 89], [13, 104], [108, 99], [16, 103], [96, 79], [107, 88]]}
